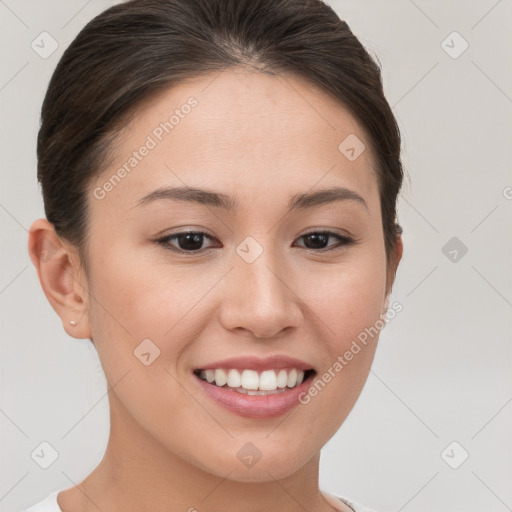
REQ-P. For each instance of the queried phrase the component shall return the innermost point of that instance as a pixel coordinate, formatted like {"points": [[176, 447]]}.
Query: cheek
{"points": [[347, 303], [347, 297], [141, 326], [136, 300]]}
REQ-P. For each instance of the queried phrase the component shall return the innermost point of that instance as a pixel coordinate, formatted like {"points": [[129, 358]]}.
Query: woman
{"points": [[220, 180]]}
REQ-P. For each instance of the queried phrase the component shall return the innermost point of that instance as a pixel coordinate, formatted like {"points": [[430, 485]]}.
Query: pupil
{"points": [[190, 240], [315, 238]]}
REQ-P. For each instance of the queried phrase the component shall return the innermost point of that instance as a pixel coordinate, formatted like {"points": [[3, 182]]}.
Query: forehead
{"points": [[241, 130]]}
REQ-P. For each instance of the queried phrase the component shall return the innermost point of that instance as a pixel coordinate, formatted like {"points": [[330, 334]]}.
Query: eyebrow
{"points": [[216, 199]]}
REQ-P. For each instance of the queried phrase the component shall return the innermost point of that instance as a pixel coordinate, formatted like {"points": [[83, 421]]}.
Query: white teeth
{"points": [[292, 378], [258, 392], [266, 382], [220, 377], [282, 379], [250, 379], [234, 380]]}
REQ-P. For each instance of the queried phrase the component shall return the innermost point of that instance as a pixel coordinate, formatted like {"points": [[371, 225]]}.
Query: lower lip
{"points": [[255, 406]]}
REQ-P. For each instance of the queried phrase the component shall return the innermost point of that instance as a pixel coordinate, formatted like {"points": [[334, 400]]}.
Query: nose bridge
{"points": [[264, 289], [261, 299]]}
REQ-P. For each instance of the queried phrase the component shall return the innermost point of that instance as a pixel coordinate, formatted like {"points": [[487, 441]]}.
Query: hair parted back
{"points": [[134, 49]]}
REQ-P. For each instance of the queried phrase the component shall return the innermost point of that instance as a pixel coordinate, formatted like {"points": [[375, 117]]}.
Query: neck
{"points": [[139, 473]]}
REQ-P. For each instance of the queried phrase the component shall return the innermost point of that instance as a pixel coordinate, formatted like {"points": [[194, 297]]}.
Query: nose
{"points": [[260, 298]]}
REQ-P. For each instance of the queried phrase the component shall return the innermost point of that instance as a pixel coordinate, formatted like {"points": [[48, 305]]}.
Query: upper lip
{"points": [[259, 363]]}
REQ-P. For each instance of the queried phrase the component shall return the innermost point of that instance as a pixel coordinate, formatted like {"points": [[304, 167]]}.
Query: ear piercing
{"points": [[72, 322]]}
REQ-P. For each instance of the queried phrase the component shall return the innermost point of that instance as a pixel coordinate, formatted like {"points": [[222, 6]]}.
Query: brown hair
{"points": [[133, 49]]}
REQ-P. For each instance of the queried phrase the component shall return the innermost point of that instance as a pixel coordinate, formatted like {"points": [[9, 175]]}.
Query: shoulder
{"points": [[49, 504]]}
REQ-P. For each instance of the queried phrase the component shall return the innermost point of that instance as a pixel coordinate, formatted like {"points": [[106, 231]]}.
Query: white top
{"points": [[49, 504]]}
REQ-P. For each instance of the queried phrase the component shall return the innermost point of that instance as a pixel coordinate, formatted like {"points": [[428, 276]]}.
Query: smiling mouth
{"points": [[251, 382]]}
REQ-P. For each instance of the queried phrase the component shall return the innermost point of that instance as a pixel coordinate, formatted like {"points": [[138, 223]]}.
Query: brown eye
{"points": [[317, 240], [187, 241], [190, 242]]}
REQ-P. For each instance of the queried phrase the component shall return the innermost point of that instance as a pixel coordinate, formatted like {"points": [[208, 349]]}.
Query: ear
{"points": [[392, 268], [61, 277]]}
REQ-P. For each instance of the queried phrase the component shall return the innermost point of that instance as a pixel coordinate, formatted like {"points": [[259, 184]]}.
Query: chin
{"points": [[257, 461]]}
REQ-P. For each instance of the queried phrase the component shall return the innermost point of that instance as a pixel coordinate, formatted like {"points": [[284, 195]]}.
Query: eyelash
{"points": [[344, 240]]}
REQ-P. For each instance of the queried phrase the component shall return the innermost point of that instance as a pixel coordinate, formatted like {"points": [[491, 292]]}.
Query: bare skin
{"points": [[260, 139]]}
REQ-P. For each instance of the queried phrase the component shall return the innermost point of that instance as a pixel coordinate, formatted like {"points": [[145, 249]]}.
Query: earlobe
{"points": [[399, 251], [59, 275], [393, 266]]}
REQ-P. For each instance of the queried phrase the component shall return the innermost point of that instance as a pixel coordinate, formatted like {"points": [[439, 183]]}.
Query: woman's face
{"points": [[253, 286]]}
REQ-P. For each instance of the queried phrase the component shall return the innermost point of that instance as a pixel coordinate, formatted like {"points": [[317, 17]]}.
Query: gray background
{"points": [[442, 368]]}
